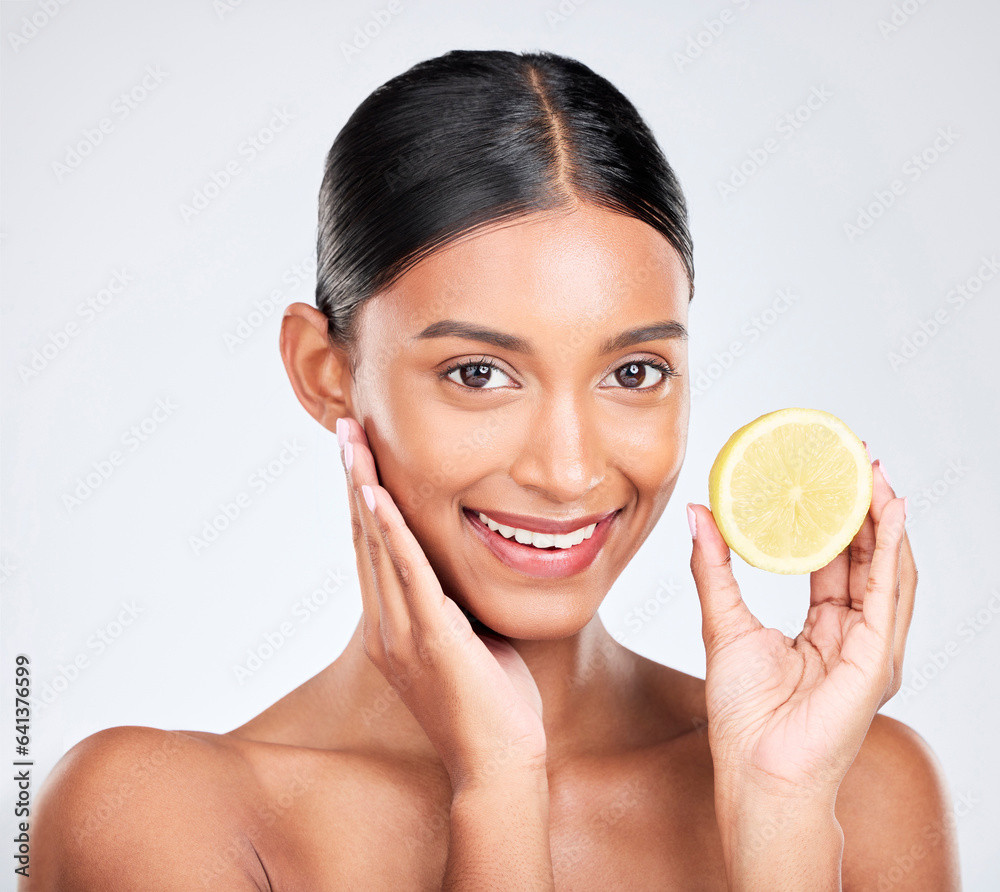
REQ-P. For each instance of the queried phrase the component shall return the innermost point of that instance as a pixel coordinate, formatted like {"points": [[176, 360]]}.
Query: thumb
{"points": [[723, 612]]}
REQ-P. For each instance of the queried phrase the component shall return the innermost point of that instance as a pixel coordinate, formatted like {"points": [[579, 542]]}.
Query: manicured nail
{"points": [[692, 522], [881, 468], [348, 454], [867, 450], [366, 491], [341, 432]]}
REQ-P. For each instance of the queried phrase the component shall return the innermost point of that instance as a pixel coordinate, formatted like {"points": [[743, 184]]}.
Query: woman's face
{"points": [[547, 412]]}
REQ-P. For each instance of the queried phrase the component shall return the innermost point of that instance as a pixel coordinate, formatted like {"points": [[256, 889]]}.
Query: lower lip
{"points": [[542, 562]]}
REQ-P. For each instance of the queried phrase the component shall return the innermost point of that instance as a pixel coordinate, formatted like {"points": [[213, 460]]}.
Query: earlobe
{"points": [[316, 369]]}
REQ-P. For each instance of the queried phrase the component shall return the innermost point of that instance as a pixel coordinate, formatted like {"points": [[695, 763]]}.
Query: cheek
{"points": [[427, 455], [650, 449]]}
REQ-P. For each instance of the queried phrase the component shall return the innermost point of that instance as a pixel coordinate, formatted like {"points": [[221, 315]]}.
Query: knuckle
{"points": [[861, 552], [399, 653], [873, 587], [425, 651], [717, 634], [357, 528], [373, 544], [876, 585], [404, 571]]}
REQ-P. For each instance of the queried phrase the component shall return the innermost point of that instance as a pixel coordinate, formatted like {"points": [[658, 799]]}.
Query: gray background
{"points": [[886, 81]]}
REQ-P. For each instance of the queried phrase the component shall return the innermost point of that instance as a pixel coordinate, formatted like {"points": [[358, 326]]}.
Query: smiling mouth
{"points": [[546, 559], [534, 539]]}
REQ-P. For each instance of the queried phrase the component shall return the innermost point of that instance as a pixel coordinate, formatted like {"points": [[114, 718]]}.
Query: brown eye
{"points": [[477, 375], [634, 375], [631, 375]]}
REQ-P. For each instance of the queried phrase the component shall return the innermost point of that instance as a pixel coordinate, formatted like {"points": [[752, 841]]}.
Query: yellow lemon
{"points": [[790, 489]]}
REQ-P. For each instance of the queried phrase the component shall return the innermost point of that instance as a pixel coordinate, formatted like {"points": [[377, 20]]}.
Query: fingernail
{"points": [[366, 491], [881, 468], [348, 455], [692, 522], [341, 432], [906, 507], [867, 450]]}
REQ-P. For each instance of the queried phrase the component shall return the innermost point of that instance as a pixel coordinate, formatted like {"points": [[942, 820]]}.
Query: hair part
{"points": [[472, 138]]}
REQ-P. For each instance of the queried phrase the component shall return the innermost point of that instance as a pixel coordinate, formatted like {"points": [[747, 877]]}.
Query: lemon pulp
{"points": [[790, 489]]}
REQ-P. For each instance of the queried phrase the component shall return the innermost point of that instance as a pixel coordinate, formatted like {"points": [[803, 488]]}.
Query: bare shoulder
{"points": [[140, 808], [896, 813], [676, 696]]}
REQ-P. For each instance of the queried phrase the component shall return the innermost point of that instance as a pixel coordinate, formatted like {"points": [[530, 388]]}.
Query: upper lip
{"points": [[542, 524]]}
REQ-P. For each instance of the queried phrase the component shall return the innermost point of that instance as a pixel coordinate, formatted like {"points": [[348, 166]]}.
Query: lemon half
{"points": [[790, 489]]}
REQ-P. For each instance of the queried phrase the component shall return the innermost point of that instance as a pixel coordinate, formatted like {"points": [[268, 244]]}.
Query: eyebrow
{"points": [[453, 328]]}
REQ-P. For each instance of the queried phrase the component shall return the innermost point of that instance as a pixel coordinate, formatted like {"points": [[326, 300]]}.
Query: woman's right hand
{"points": [[472, 694]]}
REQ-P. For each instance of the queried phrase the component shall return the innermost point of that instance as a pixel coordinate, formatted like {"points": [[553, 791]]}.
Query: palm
{"points": [[784, 704], [795, 712]]}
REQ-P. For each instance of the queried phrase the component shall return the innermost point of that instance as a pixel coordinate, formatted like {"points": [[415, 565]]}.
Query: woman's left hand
{"points": [[787, 717]]}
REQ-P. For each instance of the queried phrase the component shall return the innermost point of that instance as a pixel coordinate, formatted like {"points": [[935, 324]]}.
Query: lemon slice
{"points": [[790, 489]]}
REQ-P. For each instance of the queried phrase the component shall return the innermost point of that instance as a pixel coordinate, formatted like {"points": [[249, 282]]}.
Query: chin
{"points": [[535, 620]]}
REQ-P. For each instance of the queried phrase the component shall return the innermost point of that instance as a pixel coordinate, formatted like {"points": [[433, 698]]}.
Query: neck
{"points": [[584, 681]]}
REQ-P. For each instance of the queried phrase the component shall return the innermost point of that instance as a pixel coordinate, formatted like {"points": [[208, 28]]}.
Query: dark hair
{"points": [[471, 138]]}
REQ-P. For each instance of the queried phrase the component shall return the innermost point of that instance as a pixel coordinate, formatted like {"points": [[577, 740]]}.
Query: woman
{"points": [[500, 346]]}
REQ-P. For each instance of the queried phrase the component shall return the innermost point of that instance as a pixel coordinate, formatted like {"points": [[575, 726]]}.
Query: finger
{"points": [[724, 614], [415, 584], [394, 615], [862, 547], [882, 491], [833, 584], [906, 593], [378, 628], [907, 597], [416, 613], [830, 584], [882, 588], [366, 578]]}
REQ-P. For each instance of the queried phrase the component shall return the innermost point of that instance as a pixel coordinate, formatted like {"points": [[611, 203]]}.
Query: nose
{"points": [[562, 452]]}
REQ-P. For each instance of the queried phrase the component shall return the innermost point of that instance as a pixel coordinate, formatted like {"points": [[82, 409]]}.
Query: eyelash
{"points": [[665, 370]]}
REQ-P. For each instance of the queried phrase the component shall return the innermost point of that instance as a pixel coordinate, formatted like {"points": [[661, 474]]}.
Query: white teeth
{"points": [[540, 540]]}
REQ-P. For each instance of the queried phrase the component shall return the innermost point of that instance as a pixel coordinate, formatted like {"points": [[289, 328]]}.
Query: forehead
{"points": [[563, 272]]}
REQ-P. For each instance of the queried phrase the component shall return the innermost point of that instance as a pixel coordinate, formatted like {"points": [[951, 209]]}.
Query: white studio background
{"points": [[842, 154]]}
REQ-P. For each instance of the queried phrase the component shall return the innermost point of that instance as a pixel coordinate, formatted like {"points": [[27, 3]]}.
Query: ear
{"points": [[320, 372]]}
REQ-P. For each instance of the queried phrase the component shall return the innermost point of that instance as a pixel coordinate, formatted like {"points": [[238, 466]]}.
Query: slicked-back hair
{"points": [[472, 138]]}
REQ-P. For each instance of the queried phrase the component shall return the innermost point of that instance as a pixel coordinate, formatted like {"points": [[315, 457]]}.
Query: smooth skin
{"points": [[432, 754]]}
